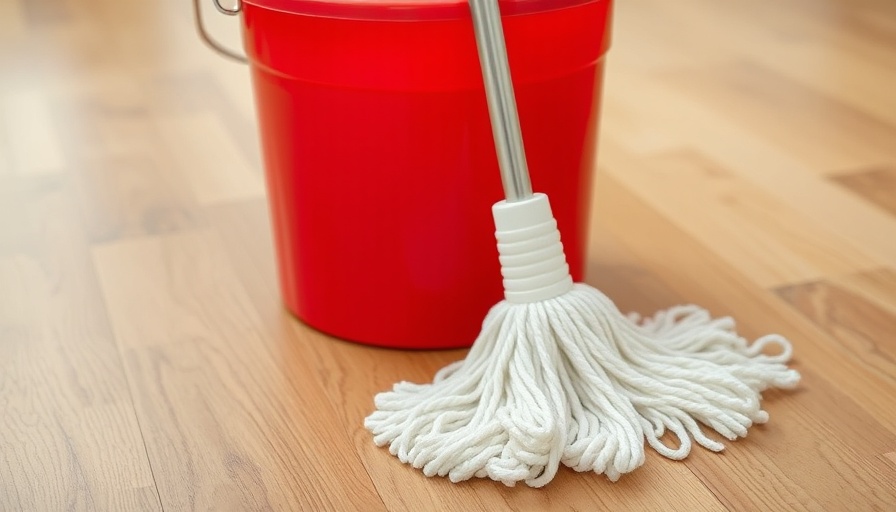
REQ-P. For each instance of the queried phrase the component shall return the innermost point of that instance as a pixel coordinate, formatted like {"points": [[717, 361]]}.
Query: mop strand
{"points": [[559, 375]]}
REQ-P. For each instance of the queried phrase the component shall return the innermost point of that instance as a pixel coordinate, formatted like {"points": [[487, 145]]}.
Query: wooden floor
{"points": [[748, 164]]}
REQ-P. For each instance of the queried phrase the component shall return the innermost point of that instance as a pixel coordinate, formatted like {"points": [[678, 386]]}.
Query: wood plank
{"points": [[126, 185], [773, 245], [876, 185], [835, 71], [31, 134], [744, 152], [205, 153], [648, 37], [352, 373], [891, 457], [68, 433], [878, 287], [234, 84], [860, 325], [795, 43], [808, 21], [615, 271], [107, 116], [800, 435], [856, 29], [158, 38], [227, 92], [683, 264], [133, 196], [840, 472], [630, 122], [783, 110], [226, 423], [42, 57]]}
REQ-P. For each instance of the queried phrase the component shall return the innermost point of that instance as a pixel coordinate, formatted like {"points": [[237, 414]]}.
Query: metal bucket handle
{"points": [[207, 39]]}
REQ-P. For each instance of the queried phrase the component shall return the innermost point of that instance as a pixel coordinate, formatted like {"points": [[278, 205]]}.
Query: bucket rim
{"points": [[407, 10]]}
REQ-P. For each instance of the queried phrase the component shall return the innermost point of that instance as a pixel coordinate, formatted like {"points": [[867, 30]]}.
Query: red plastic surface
{"points": [[381, 168]]}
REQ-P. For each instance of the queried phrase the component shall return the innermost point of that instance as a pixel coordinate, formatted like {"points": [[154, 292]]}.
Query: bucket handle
{"points": [[207, 39]]}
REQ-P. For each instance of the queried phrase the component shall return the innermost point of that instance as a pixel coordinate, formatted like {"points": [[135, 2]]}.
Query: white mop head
{"points": [[559, 375]]}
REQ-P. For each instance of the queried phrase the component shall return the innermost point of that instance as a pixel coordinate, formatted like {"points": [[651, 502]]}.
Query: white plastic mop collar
{"points": [[558, 375]]}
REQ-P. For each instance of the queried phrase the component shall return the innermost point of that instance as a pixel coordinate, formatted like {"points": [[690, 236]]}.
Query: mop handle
{"points": [[501, 102]]}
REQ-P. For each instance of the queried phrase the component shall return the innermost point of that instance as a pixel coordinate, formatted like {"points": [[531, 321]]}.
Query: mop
{"points": [[558, 375]]}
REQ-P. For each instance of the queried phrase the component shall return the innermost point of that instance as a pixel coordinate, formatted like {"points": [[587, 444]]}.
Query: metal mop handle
{"points": [[501, 102]]}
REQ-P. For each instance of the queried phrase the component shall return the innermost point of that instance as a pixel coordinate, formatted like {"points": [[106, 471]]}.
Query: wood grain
{"points": [[207, 155], [862, 326], [688, 267], [782, 109], [69, 436], [734, 218], [878, 186], [225, 422], [891, 457], [878, 287], [130, 196], [221, 91], [746, 161], [831, 381], [655, 109], [819, 55]]}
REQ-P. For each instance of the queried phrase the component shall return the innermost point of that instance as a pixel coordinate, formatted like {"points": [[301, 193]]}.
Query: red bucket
{"points": [[380, 162]]}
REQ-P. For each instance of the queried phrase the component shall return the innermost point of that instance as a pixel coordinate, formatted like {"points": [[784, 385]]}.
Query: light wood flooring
{"points": [[747, 163]]}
